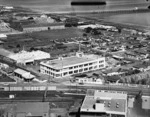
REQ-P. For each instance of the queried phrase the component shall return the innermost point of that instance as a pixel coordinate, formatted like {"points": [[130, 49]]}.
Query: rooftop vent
{"points": [[117, 105]]}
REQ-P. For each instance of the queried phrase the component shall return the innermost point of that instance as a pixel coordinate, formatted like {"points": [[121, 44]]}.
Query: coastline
{"points": [[97, 16], [102, 19], [140, 28]]}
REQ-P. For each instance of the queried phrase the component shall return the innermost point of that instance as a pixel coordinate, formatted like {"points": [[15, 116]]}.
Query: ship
{"points": [[89, 3]]}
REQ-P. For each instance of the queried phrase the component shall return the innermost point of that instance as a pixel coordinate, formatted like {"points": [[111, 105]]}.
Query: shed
{"points": [[3, 36], [27, 76]]}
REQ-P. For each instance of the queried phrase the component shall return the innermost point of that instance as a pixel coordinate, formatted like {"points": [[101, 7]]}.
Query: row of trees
{"points": [[93, 31], [136, 79]]}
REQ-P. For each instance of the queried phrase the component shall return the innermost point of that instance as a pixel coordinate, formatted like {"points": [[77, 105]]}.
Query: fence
{"points": [[27, 88]]}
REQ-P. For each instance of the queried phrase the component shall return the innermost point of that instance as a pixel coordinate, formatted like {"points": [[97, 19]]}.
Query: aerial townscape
{"points": [[74, 64]]}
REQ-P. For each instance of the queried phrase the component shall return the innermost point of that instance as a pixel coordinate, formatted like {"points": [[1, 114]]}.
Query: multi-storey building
{"points": [[80, 63], [101, 103]]}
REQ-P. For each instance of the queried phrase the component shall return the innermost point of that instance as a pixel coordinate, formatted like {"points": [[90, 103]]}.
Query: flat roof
{"points": [[20, 71], [4, 52], [89, 103], [109, 100], [25, 56], [32, 107], [24, 74], [68, 61], [110, 94]]}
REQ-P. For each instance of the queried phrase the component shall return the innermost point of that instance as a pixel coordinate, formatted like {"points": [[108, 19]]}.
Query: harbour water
{"points": [[64, 6], [138, 19]]}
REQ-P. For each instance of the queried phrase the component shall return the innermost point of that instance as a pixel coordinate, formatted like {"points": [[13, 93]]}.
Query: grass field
{"points": [[40, 39], [58, 34]]}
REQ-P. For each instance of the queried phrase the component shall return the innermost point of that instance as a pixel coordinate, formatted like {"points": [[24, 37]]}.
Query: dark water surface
{"points": [[65, 5]]}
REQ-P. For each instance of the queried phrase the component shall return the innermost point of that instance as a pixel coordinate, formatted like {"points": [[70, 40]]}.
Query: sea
{"points": [[61, 6], [65, 5]]}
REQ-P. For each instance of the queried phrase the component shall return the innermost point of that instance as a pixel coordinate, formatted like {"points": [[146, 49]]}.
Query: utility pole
{"points": [[46, 88], [45, 93], [79, 46]]}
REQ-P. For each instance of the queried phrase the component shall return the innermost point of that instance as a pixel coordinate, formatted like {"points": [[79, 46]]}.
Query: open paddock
{"points": [[40, 39]]}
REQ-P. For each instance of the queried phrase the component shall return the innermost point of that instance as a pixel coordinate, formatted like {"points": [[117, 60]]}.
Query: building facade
{"points": [[43, 27], [64, 67]]}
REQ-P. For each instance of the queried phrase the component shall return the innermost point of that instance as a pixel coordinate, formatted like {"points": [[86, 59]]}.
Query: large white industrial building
{"points": [[67, 66], [25, 57]]}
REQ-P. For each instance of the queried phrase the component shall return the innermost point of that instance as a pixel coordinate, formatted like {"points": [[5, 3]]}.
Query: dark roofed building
{"points": [[41, 27], [113, 78]]}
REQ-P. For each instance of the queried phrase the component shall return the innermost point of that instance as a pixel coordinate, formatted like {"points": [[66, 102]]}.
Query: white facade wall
{"points": [[34, 29], [3, 65], [65, 71], [57, 27]]}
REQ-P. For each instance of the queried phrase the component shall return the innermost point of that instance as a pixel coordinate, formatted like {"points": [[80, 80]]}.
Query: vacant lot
{"points": [[4, 78], [58, 34], [40, 39]]}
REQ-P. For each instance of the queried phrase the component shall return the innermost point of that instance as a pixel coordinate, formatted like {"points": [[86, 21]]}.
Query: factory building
{"points": [[43, 27], [63, 67], [103, 103], [25, 57]]}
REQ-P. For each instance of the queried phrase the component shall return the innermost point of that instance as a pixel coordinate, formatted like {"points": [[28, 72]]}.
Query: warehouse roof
{"points": [[24, 56]]}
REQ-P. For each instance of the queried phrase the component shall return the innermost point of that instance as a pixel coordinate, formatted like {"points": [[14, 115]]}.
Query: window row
{"points": [[84, 65], [48, 68]]}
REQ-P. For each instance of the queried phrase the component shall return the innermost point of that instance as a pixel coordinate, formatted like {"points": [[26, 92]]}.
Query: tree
{"points": [[18, 46], [84, 35], [96, 32], [119, 30], [32, 48], [88, 29], [143, 81], [2, 112], [132, 80]]}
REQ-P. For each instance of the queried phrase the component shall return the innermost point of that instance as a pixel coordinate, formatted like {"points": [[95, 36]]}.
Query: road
{"points": [[130, 89]]}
